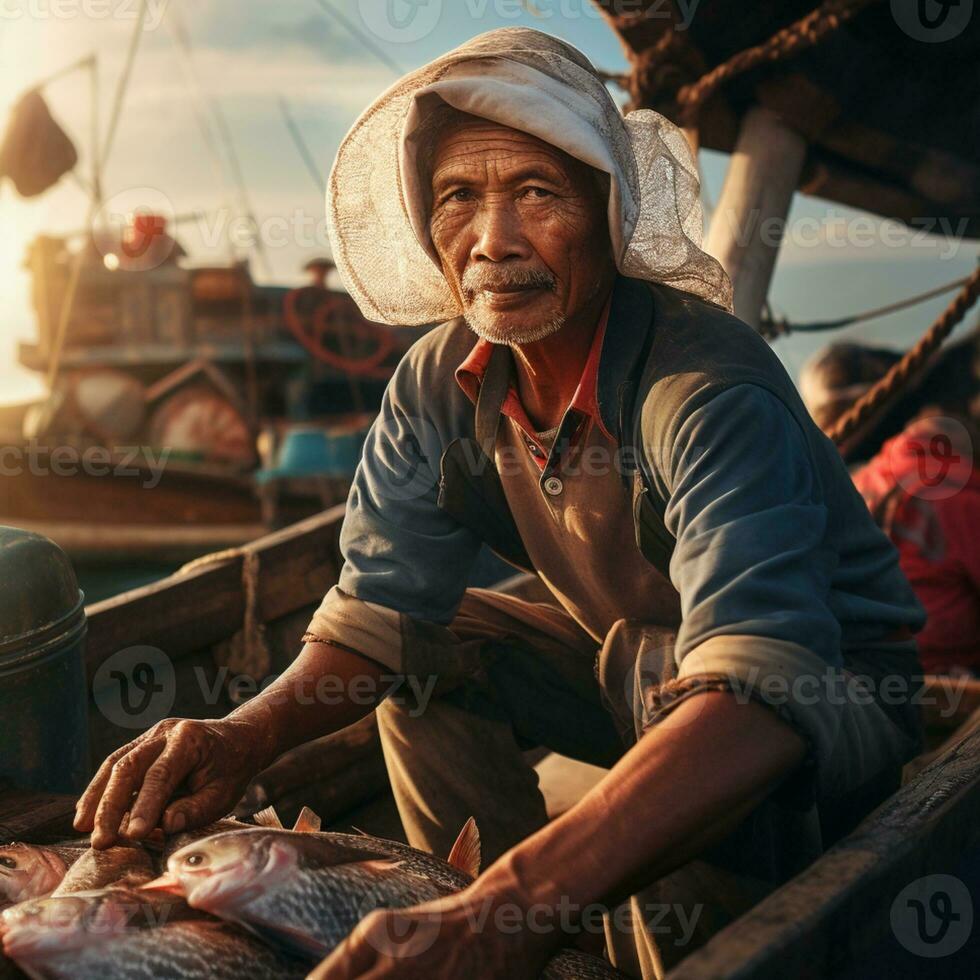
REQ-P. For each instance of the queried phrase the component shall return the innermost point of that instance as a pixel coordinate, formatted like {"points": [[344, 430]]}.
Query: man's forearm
{"points": [[312, 698], [686, 785]]}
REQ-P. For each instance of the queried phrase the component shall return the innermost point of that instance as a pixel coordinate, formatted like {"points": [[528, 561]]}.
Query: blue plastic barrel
{"points": [[310, 450], [43, 694]]}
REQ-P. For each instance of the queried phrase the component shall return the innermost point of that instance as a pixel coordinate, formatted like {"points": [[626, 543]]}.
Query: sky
{"points": [[247, 54]]}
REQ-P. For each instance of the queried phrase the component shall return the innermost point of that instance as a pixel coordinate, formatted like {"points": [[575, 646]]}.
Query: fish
{"points": [[172, 843], [305, 892], [121, 865], [31, 870], [125, 934]]}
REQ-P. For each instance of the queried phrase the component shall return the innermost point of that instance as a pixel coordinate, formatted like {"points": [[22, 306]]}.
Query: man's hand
{"points": [[476, 933], [206, 765], [211, 761]]}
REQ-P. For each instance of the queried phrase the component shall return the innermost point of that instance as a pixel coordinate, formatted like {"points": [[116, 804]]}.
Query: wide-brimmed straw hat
{"points": [[377, 198]]}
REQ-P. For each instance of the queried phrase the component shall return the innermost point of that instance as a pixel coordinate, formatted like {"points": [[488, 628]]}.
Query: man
{"points": [[595, 415]]}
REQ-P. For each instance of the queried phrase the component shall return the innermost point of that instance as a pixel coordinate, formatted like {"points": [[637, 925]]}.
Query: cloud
{"points": [[220, 25]]}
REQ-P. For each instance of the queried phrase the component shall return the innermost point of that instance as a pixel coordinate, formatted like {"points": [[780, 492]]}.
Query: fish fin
{"points": [[380, 864], [268, 818], [307, 822], [465, 855], [357, 830]]}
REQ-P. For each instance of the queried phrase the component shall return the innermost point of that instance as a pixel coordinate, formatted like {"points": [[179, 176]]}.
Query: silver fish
{"points": [[120, 865], [123, 934], [30, 870], [306, 892]]}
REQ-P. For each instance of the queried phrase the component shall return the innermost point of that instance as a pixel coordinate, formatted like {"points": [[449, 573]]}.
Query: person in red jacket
{"points": [[922, 485], [924, 490]]}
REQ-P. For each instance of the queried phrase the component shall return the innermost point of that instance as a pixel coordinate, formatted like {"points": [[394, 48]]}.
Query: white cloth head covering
{"points": [[377, 199]]}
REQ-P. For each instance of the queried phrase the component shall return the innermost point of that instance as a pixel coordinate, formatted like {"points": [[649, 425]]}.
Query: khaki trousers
{"points": [[524, 674]]}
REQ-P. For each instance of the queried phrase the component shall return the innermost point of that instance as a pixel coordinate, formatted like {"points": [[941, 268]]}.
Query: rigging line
{"points": [[301, 146], [202, 115], [54, 76], [366, 42], [784, 326], [183, 38], [71, 288], [122, 86]]}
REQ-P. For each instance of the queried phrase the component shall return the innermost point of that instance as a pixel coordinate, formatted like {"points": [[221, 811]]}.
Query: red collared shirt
{"points": [[583, 406]]}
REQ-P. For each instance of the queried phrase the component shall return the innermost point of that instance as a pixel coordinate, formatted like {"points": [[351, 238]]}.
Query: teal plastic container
{"points": [[43, 693], [315, 451]]}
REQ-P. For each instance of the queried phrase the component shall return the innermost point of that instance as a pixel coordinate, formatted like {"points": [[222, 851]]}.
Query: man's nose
{"points": [[499, 234]]}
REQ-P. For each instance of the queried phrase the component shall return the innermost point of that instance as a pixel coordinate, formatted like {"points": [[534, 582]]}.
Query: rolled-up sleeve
{"points": [[751, 563], [403, 555]]}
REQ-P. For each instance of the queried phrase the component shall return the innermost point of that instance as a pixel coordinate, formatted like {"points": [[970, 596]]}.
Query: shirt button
{"points": [[553, 486]]}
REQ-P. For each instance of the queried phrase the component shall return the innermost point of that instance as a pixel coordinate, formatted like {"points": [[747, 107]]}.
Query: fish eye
{"points": [[8, 862], [194, 860]]}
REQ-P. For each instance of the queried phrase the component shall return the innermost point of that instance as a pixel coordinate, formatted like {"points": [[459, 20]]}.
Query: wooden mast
{"points": [[748, 223]]}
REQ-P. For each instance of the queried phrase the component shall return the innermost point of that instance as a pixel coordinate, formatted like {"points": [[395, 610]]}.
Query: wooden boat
{"points": [[174, 391], [826, 922]]}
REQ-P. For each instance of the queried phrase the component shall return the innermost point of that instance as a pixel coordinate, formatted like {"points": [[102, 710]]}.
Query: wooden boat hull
{"points": [[826, 922]]}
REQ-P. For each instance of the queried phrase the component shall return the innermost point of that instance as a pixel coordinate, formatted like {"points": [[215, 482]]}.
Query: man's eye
{"points": [[537, 192], [463, 194]]}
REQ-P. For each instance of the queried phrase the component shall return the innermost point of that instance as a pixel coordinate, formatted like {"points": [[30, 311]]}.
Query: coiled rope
{"points": [[898, 378], [786, 43]]}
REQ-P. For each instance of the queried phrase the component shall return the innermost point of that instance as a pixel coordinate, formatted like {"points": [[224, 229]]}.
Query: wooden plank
{"points": [[197, 608], [839, 908], [948, 702], [33, 816], [157, 542]]}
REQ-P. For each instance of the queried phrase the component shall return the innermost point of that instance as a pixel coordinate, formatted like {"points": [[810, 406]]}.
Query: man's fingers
{"points": [[353, 958], [196, 810], [88, 804], [159, 783], [124, 779]]}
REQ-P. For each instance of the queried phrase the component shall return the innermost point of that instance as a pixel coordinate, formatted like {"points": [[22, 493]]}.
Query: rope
{"points": [[871, 404], [790, 41], [68, 301], [212, 559], [772, 328], [302, 148], [361, 37], [185, 48], [247, 651]]}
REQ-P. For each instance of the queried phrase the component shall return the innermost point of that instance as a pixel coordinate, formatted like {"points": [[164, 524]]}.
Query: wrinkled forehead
{"points": [[468, 145]]}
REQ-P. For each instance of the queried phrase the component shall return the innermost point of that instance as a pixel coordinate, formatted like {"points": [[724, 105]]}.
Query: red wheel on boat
{"points": [[331, 328]]}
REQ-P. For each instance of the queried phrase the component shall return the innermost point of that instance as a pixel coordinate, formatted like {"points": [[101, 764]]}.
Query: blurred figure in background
{"points": [[921, 484]]}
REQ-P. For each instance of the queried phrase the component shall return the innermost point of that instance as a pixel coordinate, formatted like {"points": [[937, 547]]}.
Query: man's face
{"points": [[520, 228]]}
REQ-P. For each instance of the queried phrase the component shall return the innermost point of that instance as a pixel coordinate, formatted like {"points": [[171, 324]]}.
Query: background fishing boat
{"points": [[186, 407], [191, 408]]}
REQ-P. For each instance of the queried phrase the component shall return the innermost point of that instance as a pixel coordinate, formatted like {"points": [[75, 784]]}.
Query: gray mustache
{"points": [[478, 278]]}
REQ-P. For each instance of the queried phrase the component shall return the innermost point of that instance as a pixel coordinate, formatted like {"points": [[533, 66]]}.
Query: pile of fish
{"points": [[234, 901]]}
